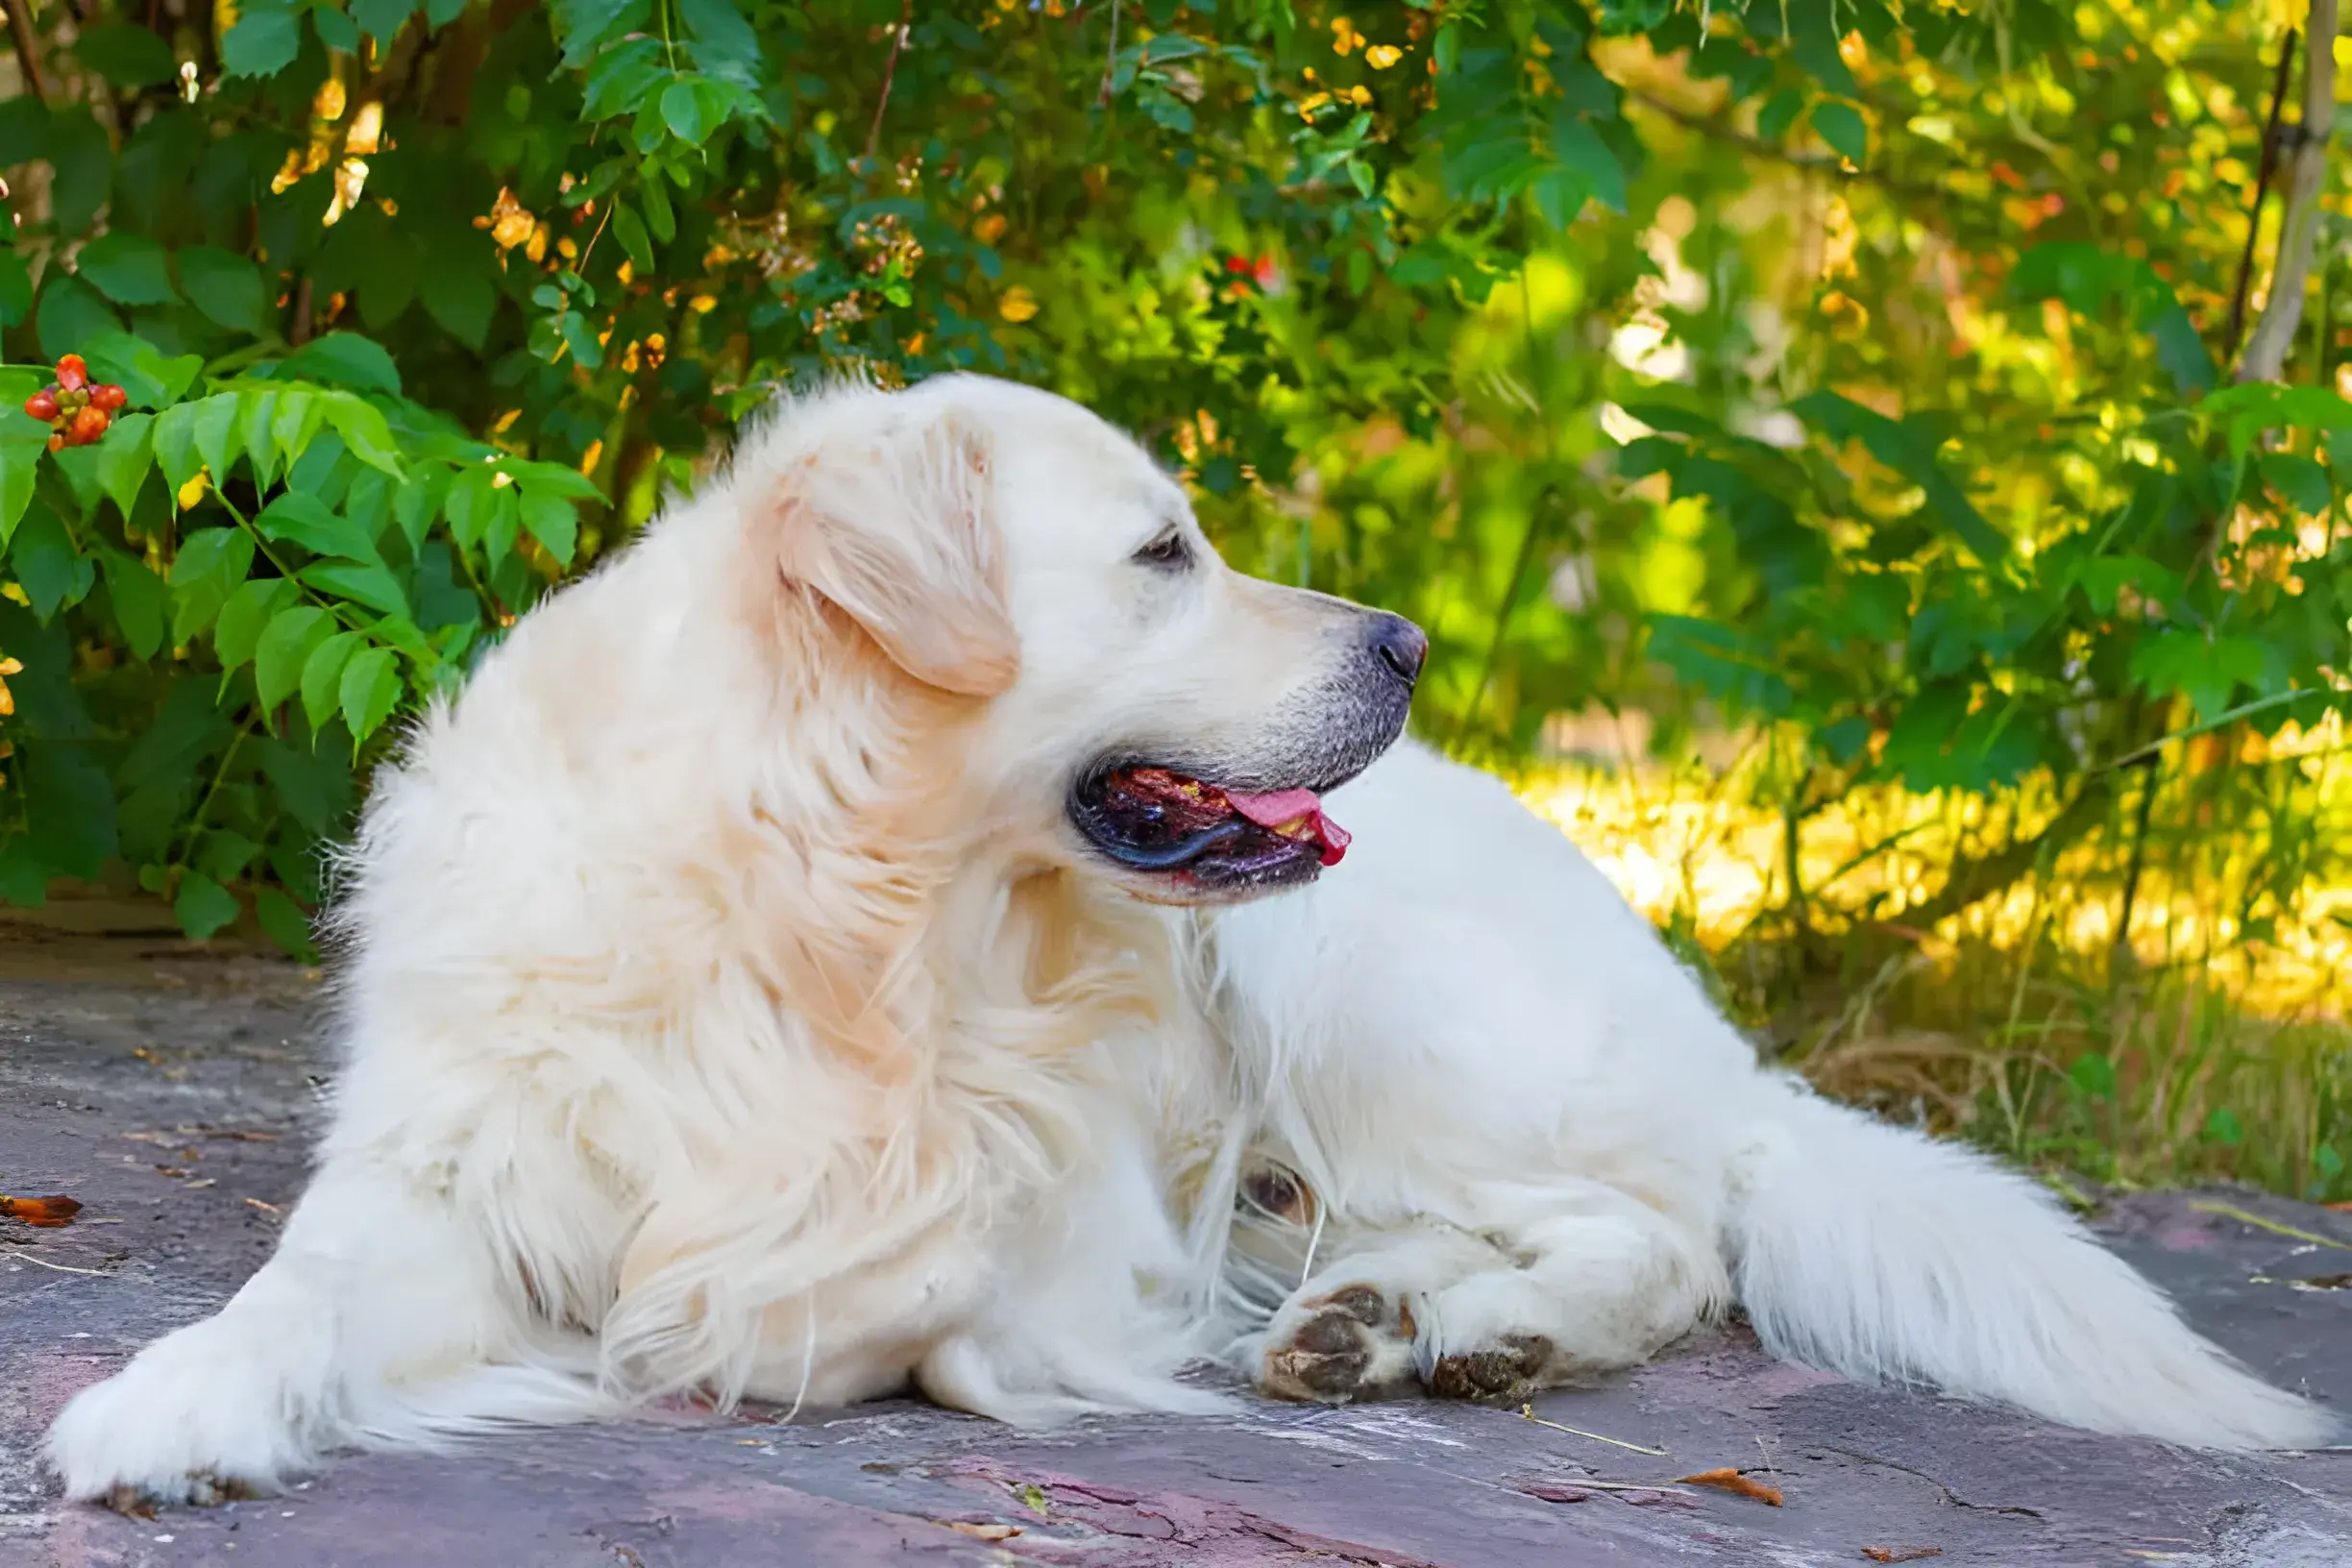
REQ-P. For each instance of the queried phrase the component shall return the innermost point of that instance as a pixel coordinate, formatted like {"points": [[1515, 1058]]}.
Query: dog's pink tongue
{"points": [[1283, 807]]}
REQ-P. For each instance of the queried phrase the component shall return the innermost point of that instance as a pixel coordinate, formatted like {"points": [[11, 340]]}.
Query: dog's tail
{"points": [[1884, 1255]]}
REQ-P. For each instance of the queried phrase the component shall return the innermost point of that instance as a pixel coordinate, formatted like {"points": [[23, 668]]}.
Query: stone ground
{"points": [[172, 1091]]}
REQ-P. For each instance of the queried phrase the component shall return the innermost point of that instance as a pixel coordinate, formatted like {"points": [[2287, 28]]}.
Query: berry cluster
{"points": [[76, 412]]}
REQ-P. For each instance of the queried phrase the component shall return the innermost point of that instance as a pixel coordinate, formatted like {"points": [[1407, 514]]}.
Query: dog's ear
{"points": [[894, 525]]}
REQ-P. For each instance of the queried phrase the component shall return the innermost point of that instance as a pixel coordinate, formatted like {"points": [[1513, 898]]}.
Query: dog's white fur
{"points": [[729, 1010], [1541, 1153]]}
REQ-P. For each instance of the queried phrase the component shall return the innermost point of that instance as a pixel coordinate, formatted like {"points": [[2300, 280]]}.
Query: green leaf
{"points": [[256, 408], [322, 675], [1778, 114], [553, 522], [681, 111], [658, 215], [70, 313], [2093, 1075], [2303, 483], [225, 286], [1813, 42], [138, 602], [16, 287], [214, 430], [1582, 152], [382, 20], [20, 455], [1841, 126], [52, 572], [387, 281], [365, 582], [124, 455], [266, 38], [336, 30], [584, 24], [1910, 451], [203, 906], [82, 163], [460, 297], [224, 854], [364, 432], [285, 645], [630, 231], [724, 44], [126, 57], [236, 635], [175, 446], [345, 359], [580, 338], [285, 923], [304, 520], [471, 504], [210, 566], [293, 421], [370, 689]]}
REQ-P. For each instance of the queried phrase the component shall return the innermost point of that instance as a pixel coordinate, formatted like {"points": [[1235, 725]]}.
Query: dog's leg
{"points": [[365, 1325], [1594, 1293], [1492, 1318], [1350, 1331]]}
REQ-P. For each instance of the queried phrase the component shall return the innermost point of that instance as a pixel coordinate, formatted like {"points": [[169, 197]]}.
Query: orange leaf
{"points": [[1900, 1554], [47, 1213], [1731, 1480]]}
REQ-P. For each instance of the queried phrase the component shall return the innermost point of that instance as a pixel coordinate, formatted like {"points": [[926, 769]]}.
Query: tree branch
{"points": [[2262, 191], [890, 74], [28, 53], [2274, 334]]}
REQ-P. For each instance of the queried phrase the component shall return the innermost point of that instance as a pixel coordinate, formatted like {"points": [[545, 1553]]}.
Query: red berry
{"points": [[42, 405], [109, 397], [87, 425], [1236, 264], [55, 442], [73, 375]]}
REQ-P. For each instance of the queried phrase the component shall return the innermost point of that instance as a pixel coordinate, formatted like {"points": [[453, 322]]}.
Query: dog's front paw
{"points": [[182, 1422], [1348, 1345]]}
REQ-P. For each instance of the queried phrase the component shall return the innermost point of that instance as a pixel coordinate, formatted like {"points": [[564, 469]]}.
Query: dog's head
{"points": [[1150, 713]]}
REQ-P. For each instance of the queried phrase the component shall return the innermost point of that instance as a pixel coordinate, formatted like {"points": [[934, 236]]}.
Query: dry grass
{"points": [[2213, 1045]]}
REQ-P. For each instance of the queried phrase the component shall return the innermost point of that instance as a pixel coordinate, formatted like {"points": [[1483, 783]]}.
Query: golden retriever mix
{"points": [[742, 994], [761, 983]]}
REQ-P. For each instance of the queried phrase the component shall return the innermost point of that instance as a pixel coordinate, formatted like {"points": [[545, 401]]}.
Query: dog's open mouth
{"points": [[1157, 820]]}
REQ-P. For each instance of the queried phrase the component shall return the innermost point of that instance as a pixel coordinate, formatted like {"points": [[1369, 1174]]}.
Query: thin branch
{"points": [[2274, 334], [2262, 193], [890, 74], [28, 53], [1760, 148], [1110, 60]]}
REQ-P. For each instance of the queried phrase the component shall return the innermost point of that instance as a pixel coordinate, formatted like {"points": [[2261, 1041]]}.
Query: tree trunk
{"points": [[2274, 335]]}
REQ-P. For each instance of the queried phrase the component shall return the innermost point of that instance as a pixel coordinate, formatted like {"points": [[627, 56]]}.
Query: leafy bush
{"points": [[418, 308]]}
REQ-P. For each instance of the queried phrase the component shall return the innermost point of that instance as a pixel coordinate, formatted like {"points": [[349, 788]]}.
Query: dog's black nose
{"points": [[1401, 645]]}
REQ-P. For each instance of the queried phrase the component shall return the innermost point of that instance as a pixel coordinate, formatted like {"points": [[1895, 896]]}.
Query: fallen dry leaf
{"points": [[1731, 1480], [48, 1214], [982, 1532], [1900, 1554], [1544, 1491]]}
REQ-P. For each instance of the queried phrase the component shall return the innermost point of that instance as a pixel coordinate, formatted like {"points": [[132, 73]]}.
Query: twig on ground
{"points": [[1527, 1412]]}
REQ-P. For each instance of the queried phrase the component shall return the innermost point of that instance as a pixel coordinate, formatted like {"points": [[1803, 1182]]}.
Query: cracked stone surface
{"points": [[173, 1092]]}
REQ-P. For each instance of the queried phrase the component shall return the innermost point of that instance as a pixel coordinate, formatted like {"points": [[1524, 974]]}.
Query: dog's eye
{"points": [[1169, 553]]}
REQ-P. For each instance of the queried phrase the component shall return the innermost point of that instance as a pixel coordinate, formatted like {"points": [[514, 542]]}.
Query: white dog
{"points": [[733, 1004], [755, 988]]}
